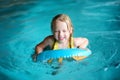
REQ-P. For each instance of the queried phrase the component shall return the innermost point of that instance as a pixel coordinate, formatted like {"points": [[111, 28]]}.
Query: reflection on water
{"points": [[23, 22]]}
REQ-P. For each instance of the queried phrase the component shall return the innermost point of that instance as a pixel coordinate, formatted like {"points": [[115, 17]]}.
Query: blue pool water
{"points": [[24, 23]]}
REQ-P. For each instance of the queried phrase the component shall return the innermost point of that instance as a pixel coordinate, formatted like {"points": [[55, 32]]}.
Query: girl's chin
{"points": [[61, 41]]}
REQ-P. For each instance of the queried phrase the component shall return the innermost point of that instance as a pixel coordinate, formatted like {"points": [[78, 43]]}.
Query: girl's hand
{"points": [[84, 48], [34, 57]]}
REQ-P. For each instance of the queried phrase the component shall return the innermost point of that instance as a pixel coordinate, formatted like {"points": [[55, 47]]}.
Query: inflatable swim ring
{"points": [[62, 53]]}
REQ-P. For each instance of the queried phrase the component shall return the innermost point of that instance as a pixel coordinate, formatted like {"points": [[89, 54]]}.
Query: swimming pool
{"points": [[23, 24]]}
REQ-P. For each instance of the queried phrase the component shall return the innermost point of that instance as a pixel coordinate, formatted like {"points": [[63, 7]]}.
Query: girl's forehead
{"points": [[60, 24]]}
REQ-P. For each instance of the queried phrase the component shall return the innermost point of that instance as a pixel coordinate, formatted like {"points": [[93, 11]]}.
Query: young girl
{"points": [[62, 30]]}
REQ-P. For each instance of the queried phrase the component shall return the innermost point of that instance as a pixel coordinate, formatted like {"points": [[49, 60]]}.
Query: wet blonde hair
{"points": [[63, 18]]}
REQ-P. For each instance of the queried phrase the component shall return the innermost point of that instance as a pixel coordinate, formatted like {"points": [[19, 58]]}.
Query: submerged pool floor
{"points": [[23, 24]]}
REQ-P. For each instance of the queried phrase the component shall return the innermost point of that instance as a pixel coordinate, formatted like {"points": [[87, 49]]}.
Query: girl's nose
{"points": [[60, 33]]}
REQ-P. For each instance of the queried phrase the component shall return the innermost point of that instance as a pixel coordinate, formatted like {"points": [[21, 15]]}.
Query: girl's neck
{"points": [[63, 45]]}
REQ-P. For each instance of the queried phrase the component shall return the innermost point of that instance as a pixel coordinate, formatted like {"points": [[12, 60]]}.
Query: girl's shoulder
{"points": [[79, 40], [49, 39]]}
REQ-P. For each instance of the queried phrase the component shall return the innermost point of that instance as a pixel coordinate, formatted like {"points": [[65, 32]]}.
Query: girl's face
{"points": [[61, 32]]}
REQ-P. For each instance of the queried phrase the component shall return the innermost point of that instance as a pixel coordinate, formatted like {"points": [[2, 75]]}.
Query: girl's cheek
{"points": [[56, 36]]}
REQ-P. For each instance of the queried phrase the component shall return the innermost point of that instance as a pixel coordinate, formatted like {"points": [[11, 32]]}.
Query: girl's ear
{"points": [[71, 30]]}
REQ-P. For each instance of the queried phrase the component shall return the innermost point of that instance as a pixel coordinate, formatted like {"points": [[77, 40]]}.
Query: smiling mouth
{"points": [[61, 38]]}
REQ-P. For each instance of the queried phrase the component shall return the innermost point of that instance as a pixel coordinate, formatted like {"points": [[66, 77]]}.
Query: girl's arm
{"points": [[40, 47], [81, 42]]}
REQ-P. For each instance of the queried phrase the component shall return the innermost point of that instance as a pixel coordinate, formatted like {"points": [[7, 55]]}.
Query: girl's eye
{"points": [[64, 31], [56, 31]]}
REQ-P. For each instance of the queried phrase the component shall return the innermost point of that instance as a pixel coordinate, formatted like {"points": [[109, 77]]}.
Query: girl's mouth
{"points": [[62, 38]]}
